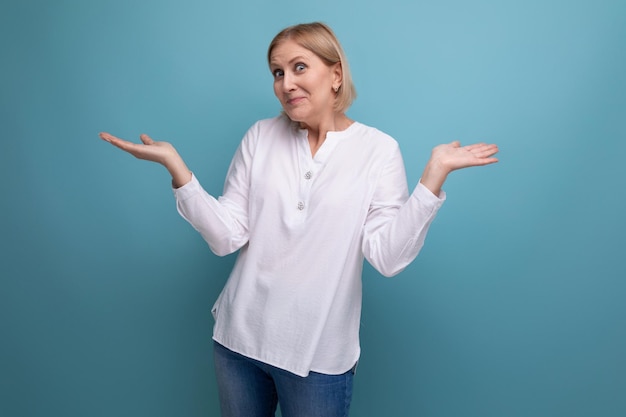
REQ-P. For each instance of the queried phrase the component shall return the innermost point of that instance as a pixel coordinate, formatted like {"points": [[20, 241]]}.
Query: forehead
{"points": [[288, 50]]}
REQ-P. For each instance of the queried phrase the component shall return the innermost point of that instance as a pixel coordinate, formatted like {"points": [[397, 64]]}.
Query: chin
{"points": [[295, 116]]}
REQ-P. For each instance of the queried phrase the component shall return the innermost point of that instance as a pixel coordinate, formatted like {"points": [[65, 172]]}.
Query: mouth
{"points": [[294, 101]]}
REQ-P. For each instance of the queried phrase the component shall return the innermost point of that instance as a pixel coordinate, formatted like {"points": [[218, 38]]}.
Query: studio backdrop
{"points": [[516, 305]]}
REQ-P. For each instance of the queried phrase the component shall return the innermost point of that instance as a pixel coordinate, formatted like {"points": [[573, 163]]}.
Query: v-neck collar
{"points": [[326, 148]]}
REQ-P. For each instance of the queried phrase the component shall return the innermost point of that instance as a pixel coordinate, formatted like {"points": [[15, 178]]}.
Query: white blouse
{"points": [[303, 226]]}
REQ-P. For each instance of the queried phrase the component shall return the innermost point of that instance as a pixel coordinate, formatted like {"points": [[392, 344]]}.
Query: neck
{"points": [[317, 132]]}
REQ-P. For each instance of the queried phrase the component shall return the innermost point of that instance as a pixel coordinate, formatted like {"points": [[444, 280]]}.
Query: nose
{"points": [[288, 83]]}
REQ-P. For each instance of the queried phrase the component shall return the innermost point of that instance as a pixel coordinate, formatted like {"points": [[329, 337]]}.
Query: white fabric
{"points": [[302, 226]]}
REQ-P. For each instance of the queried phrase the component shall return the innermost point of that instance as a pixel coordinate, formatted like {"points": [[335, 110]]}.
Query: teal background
{"points": [[515, 307]]}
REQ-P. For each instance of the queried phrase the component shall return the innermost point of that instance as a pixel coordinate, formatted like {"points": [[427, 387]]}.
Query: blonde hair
{"points": [[318, 38]]}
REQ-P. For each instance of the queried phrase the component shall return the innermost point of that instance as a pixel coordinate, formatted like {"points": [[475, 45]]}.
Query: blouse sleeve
{"points": [[222, 221], [397, 223]]}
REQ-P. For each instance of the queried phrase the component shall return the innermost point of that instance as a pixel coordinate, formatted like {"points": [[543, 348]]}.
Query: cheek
{"points": [[322, 82]]}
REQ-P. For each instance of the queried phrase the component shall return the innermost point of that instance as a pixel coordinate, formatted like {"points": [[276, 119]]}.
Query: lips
{"points": [[294, 101]]}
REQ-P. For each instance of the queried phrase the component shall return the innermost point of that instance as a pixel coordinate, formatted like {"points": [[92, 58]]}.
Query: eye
{"points": [[277, 73], [300, 67]]}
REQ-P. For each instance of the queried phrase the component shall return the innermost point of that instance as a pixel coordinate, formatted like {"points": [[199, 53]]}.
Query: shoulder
{"points": [[274, 126], [269, 134], [371, 136], [280, 123]]}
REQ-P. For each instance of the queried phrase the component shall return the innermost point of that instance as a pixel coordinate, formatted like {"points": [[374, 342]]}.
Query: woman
{"points": [[309, 194]]}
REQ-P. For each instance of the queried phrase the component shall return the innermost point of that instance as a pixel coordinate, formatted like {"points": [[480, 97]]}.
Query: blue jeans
{"points": [[249, 388]]}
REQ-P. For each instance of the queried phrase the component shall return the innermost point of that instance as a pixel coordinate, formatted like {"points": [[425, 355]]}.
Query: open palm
{"points": [[161, 152], [453, 156], [148, 150]]}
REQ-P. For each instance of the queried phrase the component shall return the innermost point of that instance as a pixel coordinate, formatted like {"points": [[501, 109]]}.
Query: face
{"points": [[303, 83]]}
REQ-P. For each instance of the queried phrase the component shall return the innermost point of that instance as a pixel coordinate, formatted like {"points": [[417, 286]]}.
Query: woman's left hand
{"points": [[453, 156], [449, 157]]}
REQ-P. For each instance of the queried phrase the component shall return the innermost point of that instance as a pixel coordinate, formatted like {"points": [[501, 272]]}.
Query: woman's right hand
{"points": [[161, 152]]}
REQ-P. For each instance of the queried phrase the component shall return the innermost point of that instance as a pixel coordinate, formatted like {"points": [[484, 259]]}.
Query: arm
{"points": [[396, 226], [221, 222], [397, 223]]}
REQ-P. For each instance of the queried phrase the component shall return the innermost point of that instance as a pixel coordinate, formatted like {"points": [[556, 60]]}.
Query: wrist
{"points": [[177, 168], [434, 176]]}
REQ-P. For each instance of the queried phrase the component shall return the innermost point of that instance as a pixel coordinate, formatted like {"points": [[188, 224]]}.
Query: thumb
{"points": [[147, 140]]}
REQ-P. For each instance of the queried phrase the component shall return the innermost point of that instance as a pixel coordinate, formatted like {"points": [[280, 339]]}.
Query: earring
{"points": [[336, 89]]}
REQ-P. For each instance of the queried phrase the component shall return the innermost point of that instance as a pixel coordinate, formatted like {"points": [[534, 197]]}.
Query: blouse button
{"points": [[300, 205], [308, 175]]}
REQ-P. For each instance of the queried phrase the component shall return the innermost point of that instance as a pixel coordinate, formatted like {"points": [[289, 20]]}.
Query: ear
{"points": [[337, 71]]}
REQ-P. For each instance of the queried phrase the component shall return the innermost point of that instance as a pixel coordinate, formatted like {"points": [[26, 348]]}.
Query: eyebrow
{"points": [[291, 61]]}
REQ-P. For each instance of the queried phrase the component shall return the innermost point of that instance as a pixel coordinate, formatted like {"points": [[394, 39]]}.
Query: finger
{"points": [[483, 156], [106, 136], [487, 161], [147, 140], [474, 146], [455, 144], [120, 143], [482, 148], [488, 150], [476, 162], [114, 140]]}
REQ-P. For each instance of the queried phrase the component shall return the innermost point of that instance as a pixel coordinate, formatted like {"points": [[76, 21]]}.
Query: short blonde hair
{"points": [[318, 38]]}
